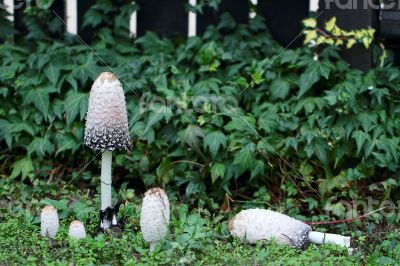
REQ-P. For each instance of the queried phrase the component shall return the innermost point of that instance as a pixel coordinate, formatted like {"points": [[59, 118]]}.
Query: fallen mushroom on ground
{"points": [[259, 224], [106, 129], [77, 230], [154, 217], [49, 222]]}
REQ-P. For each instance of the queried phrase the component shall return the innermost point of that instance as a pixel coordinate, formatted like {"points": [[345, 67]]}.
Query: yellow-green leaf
{"points": [[310, 22], [330, 24], [310, 35], [350, 43], [366, 42]]}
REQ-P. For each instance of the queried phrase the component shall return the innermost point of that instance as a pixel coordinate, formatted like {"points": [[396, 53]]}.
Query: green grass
{"points": [[193, 240], [197, 236]]}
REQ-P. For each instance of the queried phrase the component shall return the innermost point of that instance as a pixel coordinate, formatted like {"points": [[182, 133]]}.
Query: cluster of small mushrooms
{"points": [[49, 224], [107, 129], [154, 219]]}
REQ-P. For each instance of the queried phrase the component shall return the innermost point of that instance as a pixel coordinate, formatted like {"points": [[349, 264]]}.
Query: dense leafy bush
{"points": [[337, 127]]}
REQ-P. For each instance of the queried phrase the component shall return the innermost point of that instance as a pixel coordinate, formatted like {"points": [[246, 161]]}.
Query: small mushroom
{"points": [[77, 230], [258, 224], [106, 129], [154, 217], [49, 222]]}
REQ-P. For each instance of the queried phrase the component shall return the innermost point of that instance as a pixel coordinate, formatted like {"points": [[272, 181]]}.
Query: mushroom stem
{"points": [[106, 160], [153, 246], [322, 238]]}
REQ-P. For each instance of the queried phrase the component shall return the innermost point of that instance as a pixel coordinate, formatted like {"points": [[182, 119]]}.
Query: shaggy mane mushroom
{"points": [[258, 224], [49, 222], [154, 217], [77, 230], [107, 129]]}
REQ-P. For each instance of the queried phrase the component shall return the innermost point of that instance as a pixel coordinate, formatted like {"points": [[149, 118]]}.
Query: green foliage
{"points": [[195, 237], [195, 240], [335, 125]]}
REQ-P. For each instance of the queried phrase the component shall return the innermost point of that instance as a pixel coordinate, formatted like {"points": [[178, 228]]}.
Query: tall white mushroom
{"points": [[154, 217], [106, 130], [77, 230], [258, 224], [49, 222]]}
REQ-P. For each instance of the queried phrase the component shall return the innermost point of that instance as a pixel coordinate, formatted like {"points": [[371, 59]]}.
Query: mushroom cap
{"points": [[77, 230], [48, 210], [49, 222], [106, 120], [259, 224], [155, 215]]}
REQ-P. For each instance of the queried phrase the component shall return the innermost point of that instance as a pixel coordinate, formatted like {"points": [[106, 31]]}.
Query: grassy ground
{"points": [[197, 237]]}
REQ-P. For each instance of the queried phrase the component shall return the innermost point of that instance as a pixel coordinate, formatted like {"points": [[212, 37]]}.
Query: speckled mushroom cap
{"points": [[106, 120], [155, 215], [259, 224]]}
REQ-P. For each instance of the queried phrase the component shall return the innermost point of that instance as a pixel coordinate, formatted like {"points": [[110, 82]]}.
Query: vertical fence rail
{"points": [[133, 24], [192, 21], [253, 14], [72, 16], [314, 5], [9, 6]]}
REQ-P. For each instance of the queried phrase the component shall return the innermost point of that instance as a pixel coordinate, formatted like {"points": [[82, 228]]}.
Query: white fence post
{"points": [[72, 16], [314, 5], [9, 6], [133, 24], [192, 21], [252, 14]]}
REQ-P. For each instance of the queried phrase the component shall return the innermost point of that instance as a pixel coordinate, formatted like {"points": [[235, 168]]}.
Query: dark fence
{"points": [[283, 17]]}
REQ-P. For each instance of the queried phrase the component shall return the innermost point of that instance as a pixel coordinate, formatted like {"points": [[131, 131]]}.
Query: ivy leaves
{"points": [[191, 136], [40, 146], [245, 157], [5, 132], [52, 73], [22, 167], [314, 110], [314, 71], [217, 171], [279, 89], [40, 99], [214, 141], [76, 103]]}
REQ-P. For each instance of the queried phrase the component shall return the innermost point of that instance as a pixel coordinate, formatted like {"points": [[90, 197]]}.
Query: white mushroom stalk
{"points": [[106, 130], [154, 217], [49, 222], [258, 224]]}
